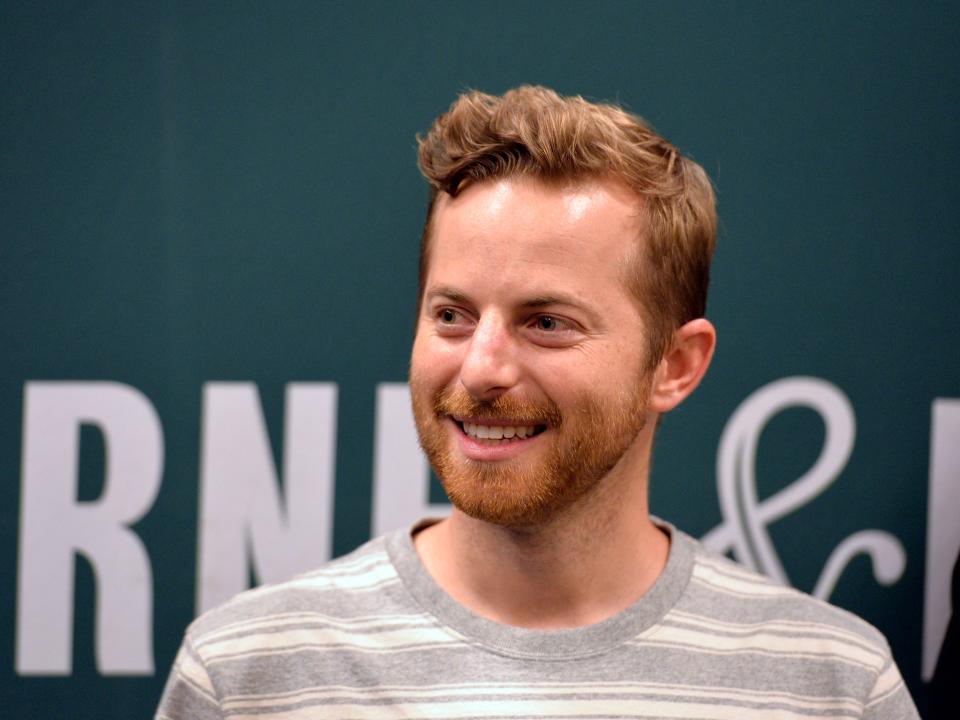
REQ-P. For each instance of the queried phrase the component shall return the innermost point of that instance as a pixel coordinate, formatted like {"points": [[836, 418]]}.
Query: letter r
{"points": [[54, 526]]}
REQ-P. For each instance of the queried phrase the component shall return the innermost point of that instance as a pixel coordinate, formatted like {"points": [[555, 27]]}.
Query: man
{"points": [[563, 276]]}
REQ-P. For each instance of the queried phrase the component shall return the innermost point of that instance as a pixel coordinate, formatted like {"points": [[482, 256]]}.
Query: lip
{"points": [[473, 449], [490, 421]]}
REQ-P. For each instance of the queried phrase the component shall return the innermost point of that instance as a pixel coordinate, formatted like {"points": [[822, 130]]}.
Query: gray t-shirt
{"points": [[371, 635]]}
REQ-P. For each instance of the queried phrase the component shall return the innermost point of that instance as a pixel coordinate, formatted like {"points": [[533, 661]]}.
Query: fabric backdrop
{"points": [[209, 219]]}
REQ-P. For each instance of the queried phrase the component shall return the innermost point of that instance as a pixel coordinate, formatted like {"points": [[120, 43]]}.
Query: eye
{"points": [[547, 323], [552, 331], [451, 322], [551, 324], [448, 316]]}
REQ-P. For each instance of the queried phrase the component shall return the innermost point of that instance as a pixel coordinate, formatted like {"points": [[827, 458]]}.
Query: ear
{"points": [[684, 364]]}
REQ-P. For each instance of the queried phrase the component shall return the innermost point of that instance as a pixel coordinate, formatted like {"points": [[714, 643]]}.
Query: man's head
{"points": [[534, 132], [549, 333]]}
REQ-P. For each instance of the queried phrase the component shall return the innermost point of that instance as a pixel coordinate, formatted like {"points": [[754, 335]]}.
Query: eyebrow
{"points": [[537, 301], [540, 301], [445, 291]]}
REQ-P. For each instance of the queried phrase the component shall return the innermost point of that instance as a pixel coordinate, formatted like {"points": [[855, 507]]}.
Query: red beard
{"points": [[584, 444]]}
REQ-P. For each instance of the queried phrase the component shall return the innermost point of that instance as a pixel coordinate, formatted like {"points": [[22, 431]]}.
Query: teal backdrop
{"points": [[203, 193]]}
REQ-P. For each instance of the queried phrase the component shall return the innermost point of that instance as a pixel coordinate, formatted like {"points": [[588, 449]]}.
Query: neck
{"points": [[590, 563]]}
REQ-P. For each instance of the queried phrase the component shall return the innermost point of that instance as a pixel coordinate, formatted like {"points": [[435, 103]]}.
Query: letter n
{"points": [[242, 512]]}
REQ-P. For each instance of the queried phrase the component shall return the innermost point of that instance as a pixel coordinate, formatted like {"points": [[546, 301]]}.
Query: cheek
{"points": [[591, 366], [432, 362], [606, 377]]}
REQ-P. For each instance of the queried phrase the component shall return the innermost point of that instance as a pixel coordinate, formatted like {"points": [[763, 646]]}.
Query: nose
{"points": [[490, 366]]}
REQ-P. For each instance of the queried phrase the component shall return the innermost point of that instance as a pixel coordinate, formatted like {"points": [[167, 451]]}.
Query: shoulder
{"points": [[278, 640], [738, 605], [751, 630], [354, 584]]}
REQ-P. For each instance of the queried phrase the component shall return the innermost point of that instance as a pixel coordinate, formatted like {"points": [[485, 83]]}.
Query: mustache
{"points": [[456, 401]]}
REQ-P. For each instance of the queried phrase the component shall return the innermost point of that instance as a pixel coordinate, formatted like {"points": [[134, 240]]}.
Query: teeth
{"points": [[497, 432]]}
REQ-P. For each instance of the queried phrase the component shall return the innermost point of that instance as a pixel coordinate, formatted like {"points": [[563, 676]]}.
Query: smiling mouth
{"points": [[497, 434]]}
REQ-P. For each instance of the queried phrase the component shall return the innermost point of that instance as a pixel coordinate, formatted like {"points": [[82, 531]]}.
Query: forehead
{"points": [[522, 233]]}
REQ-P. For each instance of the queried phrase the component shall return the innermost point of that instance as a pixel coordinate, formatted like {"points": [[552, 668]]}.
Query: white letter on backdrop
{"points": [[943, 530], [401, 475], [241, 507], [54, 526], [746, 517]]}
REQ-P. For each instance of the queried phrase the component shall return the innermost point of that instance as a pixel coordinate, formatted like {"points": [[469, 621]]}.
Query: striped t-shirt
{"points": [[371, 635]]}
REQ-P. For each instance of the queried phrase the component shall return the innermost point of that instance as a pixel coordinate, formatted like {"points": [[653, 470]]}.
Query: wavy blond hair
{"points": [[533, 131]]}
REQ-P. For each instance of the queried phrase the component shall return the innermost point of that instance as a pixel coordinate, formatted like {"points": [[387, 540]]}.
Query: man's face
{"points": [[527, 373]]}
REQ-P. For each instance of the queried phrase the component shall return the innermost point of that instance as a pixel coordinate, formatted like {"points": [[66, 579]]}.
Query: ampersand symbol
{"points": [[745, 518]]}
